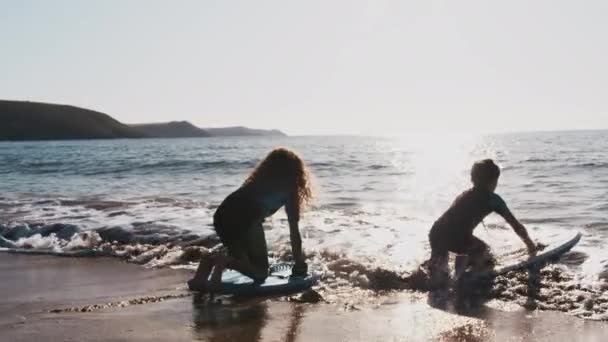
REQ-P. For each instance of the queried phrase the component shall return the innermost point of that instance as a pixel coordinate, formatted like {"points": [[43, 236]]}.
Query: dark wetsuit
{"points": [[238, 222], [453, 231]]}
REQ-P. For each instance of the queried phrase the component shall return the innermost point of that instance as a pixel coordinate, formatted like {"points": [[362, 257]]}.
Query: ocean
{"points": [[376, 198]]}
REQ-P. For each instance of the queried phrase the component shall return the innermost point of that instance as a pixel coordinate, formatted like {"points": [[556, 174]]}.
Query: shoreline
{"points": [[44, 296]]}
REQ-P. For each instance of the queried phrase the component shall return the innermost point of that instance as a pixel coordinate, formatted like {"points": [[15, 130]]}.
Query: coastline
{"points": [[82, 299]]}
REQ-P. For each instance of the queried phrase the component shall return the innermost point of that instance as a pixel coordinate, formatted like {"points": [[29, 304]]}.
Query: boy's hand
{"points": [[299, 269], [531, 247]]}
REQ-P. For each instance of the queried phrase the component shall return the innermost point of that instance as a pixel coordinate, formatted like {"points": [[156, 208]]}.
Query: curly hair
{"points": [[484, 172], [285, 166]]}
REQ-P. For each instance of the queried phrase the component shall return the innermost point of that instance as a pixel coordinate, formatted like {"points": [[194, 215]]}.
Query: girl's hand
{"points": [[299, 269]]}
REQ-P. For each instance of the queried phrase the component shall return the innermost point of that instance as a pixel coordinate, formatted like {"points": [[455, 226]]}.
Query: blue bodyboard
{"points": [[551, 254], [279, 282]]}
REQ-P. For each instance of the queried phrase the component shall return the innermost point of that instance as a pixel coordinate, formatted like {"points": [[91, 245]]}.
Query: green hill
{"points": [[43, 121], [173, 129], [21, 120]]}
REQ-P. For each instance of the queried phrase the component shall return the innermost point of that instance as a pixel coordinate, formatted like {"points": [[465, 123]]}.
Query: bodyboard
{"points": [[279, 282], [551, 254]]}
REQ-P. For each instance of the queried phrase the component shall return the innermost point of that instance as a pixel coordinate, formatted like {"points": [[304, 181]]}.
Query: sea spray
{"points": [[347, 281]]}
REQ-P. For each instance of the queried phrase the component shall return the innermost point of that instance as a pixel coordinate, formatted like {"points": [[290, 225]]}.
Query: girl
{"points": [[280, 180]]}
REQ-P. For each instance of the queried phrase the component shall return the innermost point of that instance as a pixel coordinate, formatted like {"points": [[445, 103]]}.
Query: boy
{"points": [[453, 231]]}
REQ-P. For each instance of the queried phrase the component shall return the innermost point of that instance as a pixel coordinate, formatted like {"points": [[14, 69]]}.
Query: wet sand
{"points": [[138, 304]]}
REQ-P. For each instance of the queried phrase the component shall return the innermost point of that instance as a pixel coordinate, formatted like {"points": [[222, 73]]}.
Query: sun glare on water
{"points": [[427, 171], [437, 164]]}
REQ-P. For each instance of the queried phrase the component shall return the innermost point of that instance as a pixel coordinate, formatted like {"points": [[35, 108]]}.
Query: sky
{"points": [[315, 67]]}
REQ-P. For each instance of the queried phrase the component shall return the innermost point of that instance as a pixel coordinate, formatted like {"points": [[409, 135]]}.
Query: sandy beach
{"points": [[80, 299]]}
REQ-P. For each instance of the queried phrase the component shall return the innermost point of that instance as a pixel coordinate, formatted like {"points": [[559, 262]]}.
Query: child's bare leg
{"points": [[208, 260], [216, 277], [460, 265], [483, 262], [481, 258], [439, 269]]}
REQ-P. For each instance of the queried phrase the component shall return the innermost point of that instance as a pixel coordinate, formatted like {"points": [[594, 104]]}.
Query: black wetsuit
{"points": [[453, 231], [238, 222]]}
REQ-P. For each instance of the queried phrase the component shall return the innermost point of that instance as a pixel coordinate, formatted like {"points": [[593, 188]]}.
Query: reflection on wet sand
{"points": [[218, 322], [294, 324], [468, 298], [499, 321], [243, 320], [404, 316], [534, 284]]}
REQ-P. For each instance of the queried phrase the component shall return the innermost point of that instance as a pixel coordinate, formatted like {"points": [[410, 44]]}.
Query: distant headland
{"points": [[22, 120]]}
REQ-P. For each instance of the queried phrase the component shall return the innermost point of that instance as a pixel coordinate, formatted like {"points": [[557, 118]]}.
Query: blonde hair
{"points": [[284, 165]]}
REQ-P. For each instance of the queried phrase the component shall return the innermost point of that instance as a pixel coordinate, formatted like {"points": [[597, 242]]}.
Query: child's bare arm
{"points": [[296, 241], [293, 216], [520, 230]]}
